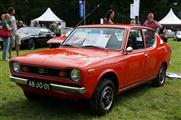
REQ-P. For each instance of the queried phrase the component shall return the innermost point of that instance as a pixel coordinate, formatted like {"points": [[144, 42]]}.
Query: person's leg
{"points": [[6, 42], [18, 43], [17, 49], [11, 46], [4, 49]]}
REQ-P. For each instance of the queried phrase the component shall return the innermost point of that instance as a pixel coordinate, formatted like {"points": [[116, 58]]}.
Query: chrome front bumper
{"points": [[57, 87]]}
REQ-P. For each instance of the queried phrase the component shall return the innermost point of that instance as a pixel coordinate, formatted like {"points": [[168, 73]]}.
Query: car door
{"points": [[136, 60], [44, 35], [150, 41]]}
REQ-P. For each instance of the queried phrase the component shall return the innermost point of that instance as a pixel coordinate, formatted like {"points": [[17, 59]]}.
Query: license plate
{"points": [[39, 85]]}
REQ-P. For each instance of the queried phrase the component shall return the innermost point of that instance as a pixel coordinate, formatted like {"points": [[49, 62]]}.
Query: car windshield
{"points": [[29, 30], [103, 38]]}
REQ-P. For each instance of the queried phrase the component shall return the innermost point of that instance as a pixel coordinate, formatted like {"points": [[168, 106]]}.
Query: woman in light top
{"points": [[6, 25]]}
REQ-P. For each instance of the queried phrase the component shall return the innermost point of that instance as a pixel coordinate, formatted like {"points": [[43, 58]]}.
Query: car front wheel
{"points": [[161, 77], [30, 96], [31, 44], [103, 97]]}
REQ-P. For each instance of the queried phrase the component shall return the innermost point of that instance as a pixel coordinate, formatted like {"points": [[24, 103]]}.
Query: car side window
{"points": [[149, 37], [135, 40], [116, 39]]}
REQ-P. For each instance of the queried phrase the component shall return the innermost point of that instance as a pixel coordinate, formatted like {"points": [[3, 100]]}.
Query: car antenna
{"points": [[89, 14]]}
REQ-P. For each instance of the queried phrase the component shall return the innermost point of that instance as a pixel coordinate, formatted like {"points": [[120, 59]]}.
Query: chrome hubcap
{"points": [[107, 98], [31, 44], [162, 75]]}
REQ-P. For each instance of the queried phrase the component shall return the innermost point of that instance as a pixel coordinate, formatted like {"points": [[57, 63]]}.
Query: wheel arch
{"points": [[111, 75], [165, 64], [31, 39], [160, 64]]}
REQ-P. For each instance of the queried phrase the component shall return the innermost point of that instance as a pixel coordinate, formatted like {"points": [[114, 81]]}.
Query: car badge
{"points": [[42, 70]]}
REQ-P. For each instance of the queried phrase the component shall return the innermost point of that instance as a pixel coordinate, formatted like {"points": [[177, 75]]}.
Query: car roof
{"points": [[126, 26], [35, 27]]}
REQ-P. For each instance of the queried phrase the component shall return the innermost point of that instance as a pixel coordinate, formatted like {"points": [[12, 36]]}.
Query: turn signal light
{"points": [[62, 74], [25, 69]]}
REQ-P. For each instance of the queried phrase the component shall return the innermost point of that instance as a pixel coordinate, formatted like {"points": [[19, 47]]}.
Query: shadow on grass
{"points": [[136, 92], [46, 109], [50, 108]]}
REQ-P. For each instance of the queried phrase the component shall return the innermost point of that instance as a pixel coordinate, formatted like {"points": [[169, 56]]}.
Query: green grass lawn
{"points": [[142, 103]]}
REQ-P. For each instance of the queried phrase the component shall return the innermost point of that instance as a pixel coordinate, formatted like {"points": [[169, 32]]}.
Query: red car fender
{"points": [[92, 82]]}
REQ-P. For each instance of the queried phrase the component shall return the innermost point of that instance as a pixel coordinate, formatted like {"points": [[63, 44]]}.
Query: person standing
{"points": [[109, 17], [151, 23], [20, 24], [133, 22], [162, 33], [11, 11], [5, 24]]}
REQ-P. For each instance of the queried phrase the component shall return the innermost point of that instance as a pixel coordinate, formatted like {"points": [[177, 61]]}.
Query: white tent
{"points": [[49, 16], [170, 19]]}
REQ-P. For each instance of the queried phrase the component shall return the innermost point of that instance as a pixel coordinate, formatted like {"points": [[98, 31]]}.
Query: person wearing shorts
{"points": [[11, 11], [17, 40]]}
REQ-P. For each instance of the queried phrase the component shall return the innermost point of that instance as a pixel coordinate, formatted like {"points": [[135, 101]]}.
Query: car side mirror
{"points": [[129, 49]]}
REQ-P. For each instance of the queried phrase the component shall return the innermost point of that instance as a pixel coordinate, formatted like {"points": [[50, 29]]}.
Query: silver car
{"points": [[178, 35], [170, 34]]}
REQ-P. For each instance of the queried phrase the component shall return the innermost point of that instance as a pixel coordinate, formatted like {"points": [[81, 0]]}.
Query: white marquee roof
{"points": [[170, 19], [48, 16]]}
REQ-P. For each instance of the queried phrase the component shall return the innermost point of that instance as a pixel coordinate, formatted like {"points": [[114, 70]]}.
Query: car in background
{"points": [[32, 37], [57, 41], [95, 63], [170, 34], [178, 35]]}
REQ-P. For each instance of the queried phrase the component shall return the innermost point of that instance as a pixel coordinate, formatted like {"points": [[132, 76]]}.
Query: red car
{"points": [[95, 62], [57, 41]]}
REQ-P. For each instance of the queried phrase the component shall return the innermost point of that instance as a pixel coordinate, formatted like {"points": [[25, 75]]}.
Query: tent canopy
{"points": [[170, 19], [48, 16]]}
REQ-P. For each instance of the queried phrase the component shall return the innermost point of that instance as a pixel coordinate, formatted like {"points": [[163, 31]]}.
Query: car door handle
{"points": [[147, 55]]}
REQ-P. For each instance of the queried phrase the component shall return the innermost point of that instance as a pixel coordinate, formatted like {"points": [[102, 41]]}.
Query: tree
{"points": [[68, 10]]}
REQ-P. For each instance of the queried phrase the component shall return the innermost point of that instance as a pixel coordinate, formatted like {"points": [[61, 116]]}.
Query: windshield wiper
{"points": [[92, 46], [68, 45]]}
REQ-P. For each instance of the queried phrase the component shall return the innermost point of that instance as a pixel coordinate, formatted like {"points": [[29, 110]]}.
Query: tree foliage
{"points": [[68, 10]]}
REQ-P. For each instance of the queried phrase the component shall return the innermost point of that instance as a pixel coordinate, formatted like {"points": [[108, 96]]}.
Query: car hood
{"points": [[66, 57], [23, 35]]}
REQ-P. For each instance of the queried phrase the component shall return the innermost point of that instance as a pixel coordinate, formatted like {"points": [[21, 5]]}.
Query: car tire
{"points": [[50, 45], [30, 96], [103, 97], [161, 77], [31, 44]]}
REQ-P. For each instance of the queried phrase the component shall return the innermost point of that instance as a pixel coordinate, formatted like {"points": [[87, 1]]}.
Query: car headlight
{"points": [[16, 67], [75, 75]]}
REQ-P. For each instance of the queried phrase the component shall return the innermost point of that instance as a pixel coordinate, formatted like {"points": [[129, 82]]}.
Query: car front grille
{"points": [[45, 71]]}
